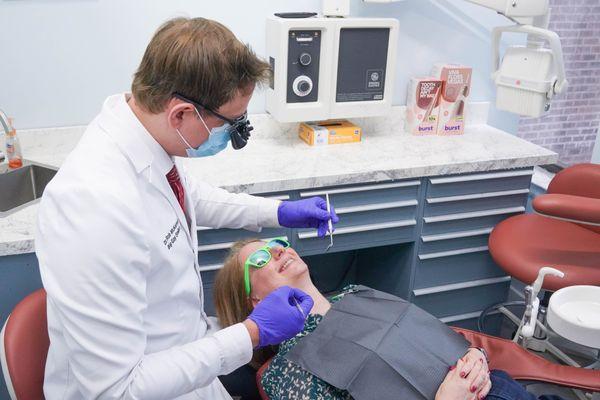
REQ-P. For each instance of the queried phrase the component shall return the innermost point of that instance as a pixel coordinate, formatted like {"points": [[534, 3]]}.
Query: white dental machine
{"points": [[333, 66], [325, 68]]}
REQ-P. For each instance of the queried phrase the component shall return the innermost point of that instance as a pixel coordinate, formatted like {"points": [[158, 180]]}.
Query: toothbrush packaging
{"points": [[422, 106], [456, 86]]}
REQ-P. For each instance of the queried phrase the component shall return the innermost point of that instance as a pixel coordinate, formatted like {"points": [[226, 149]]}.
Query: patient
{"points": [[255, 268]]}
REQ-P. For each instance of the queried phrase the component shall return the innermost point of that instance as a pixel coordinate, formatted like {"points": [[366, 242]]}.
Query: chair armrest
{"points": [[581, 210], [520, 364], [578, 180]]}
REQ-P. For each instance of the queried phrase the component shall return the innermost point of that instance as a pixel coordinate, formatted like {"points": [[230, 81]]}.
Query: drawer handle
{"points": [[462, 317], [211, 267], [474, 196], [226, 245], [215, 246], [380, 206], [362, 228], [480, 177], [474, 214], [360, 188], [458, 286], [456, 235], [451, 253], [278, 197]]}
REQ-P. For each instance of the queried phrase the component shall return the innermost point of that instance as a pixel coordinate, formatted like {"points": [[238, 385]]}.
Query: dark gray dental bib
{"points": [[378, 346]]}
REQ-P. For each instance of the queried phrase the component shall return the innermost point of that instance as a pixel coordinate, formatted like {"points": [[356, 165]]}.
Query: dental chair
{"points": [[522, 365], [564, 233], [24, 348]]}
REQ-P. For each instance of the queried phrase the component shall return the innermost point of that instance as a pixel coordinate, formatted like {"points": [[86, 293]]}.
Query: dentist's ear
{"points": [[177, 111]]}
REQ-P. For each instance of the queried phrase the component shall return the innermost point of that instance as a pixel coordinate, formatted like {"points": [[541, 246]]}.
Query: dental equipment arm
{"points": [[532, 303], [527, 77], [519, 11]]}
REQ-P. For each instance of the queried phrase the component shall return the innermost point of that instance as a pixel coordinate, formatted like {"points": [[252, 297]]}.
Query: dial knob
{"points": [[305, 59], [302, 85]]}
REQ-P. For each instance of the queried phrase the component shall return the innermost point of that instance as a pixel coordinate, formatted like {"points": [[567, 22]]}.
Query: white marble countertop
{"points": [[275, 159]]}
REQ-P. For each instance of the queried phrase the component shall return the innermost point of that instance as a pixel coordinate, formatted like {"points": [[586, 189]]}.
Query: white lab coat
{"points": [[118, 260]]}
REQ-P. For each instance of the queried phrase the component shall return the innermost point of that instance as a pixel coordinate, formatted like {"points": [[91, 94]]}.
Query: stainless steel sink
{"points": [[22, 186]]}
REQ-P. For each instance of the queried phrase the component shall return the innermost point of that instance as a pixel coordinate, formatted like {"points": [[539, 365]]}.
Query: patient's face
{"points": [[285, 268]]}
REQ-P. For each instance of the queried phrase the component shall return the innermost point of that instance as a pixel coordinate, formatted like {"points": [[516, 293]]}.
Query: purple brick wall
{"points": [[571, 125]]}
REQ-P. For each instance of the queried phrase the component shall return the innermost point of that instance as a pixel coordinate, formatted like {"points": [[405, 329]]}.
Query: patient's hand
{"points": [[473, 386], [472, 357]]}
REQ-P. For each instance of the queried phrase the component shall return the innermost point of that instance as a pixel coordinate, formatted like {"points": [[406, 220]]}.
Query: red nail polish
{"points": [[473, 389], [452, 367], [462, 374]]}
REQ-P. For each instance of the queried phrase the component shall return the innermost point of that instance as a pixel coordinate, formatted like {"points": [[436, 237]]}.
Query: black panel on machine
{"points": [[362, 64], [304, 49]]}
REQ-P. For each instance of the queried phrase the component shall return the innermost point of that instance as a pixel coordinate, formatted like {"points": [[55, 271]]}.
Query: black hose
{"points": [[487, 310]]}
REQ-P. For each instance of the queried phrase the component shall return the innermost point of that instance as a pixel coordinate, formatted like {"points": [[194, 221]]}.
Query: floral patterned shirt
{"points": [[284, 379]]}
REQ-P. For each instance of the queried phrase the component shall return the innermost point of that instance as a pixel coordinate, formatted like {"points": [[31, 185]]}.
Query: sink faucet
{"points": [[4, 122]]}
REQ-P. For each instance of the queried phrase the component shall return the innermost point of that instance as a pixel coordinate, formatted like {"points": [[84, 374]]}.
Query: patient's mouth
{"points": [[286, 264]]}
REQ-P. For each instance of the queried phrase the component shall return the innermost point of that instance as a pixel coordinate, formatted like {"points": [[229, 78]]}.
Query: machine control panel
{"points": [[304, 49]]}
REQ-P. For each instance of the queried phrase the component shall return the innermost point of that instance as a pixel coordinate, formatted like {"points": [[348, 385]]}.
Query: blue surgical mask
{"points": [[217, 141]]}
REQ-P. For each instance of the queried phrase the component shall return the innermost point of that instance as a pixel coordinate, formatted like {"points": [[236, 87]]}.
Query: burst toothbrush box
{"points": [[422, 106], [456, 86]]}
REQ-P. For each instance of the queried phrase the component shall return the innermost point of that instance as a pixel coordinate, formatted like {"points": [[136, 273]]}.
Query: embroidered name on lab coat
{"points": [[172, 235]]}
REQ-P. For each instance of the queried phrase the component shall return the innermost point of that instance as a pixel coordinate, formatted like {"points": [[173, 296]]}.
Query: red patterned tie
{"points": [[175, 183]]}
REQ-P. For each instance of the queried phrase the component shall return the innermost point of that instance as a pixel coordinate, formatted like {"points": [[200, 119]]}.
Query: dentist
{"points": [[116, 238]]}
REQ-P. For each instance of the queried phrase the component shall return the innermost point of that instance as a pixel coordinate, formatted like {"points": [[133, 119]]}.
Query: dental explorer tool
{"points": [[329, 223], [299, 308]]}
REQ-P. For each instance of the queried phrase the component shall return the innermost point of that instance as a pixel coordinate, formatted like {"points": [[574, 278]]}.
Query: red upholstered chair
{"points": [[519, 363], [564, 234], [24, 348]]}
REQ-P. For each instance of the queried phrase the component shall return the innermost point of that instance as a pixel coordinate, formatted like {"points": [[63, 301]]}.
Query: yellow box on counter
{"points": [[329, 132]]}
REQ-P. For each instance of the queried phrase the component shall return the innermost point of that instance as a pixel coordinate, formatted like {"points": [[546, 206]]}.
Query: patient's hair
{"points": [[232, 303]]}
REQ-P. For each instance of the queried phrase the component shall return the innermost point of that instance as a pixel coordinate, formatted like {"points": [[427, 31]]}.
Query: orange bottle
{"points": [[13, 147]]}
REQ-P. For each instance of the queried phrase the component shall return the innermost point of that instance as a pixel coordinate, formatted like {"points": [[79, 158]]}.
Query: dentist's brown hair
{"points": [[198, 58]]}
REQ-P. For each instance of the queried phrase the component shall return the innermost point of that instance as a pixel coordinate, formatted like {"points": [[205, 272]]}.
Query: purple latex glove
{"points": [[307, 213], [278, 316]]}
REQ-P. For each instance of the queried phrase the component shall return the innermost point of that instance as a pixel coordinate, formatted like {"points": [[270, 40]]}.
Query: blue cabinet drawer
{"points": [[208, 281], [210, 238], [475, 202], [214, 244], [453, 266], [454, 240], [213, 238], [462, 298], [467, 221], [479, 183], [378, 194], [370, 215], [357, 237]]}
